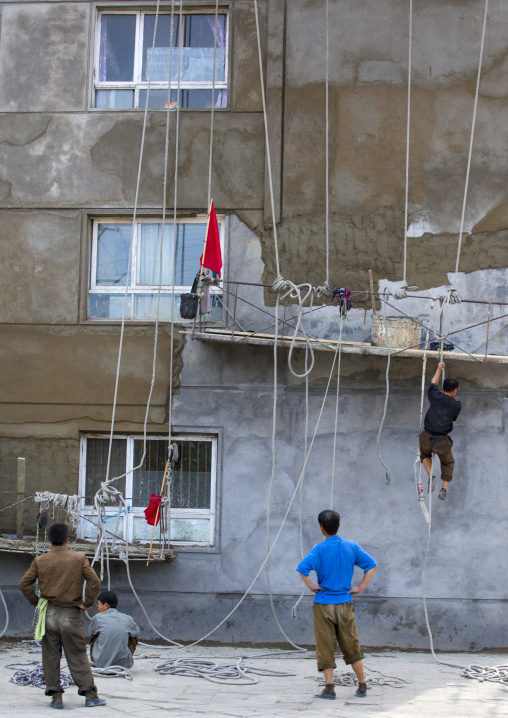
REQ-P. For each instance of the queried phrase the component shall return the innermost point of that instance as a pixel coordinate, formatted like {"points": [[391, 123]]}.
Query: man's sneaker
{"points": [[328, 692], [92, 702], [361, 691], [442, 494], [433, 483], [56, 704]]}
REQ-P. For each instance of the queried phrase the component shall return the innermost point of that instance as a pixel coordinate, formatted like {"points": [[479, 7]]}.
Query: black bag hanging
{"points": [[189, 305], [189, 302]]}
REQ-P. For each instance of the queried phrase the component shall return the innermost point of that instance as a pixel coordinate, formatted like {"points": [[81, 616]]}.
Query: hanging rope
{"points": [[327, 150], [336, 410], [69, 504], [470, 153], [387, 394], [267, 140], [409, 65]]}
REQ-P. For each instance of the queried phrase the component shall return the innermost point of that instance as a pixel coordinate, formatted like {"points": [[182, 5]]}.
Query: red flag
{"points": [[212, 256], [151, 510]]}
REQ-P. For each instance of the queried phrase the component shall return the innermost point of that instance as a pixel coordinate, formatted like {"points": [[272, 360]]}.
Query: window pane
{"points": [[114, 99], [190, 530], [163, 43], [116, 63], [109, 306], [90, 527], [158, 99], [199, 38], [148, 479], [193, 475], [203, 98], [189, 247], [149, 254], [145, 307], [113, 246], [96, 464]]}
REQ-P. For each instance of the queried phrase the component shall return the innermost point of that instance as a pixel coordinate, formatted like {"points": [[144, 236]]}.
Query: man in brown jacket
{"points": [[61, 573]]}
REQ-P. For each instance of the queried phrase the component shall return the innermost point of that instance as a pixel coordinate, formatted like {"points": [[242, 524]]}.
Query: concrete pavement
{"points": [[432, 691]]}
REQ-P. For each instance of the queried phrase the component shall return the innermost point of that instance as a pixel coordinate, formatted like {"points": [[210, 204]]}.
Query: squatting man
{"points": [[334, 560]]}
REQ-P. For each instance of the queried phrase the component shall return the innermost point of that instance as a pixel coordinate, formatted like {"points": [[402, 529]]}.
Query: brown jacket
{"points": [[60, 573]]}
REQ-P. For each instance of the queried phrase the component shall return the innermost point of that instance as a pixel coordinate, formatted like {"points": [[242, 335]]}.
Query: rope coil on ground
{"points": [[226, 674], [496, 674], [34, 676], [347, 678]]}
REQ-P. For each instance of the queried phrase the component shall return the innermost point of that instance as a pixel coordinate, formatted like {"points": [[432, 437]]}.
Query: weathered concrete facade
{"points": [[65, 163]]}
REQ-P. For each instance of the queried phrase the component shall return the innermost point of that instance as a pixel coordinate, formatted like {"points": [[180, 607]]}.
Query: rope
{"points": [[2, 598], [272, 478], [327, 151], [26, 676], [410, 53], [247, 591], [470, 154], [300, 293], [112, 672], [268, 160], [225, 674], [213, 104], [336, 410], [69, 504], [387, 394], [496, 674], [349, 679]]}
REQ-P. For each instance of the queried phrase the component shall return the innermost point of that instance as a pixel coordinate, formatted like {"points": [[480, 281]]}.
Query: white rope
{"points": [[336, 411], [327, 151], [496, 674], [69, 504], [346, 678], [300, 293], [223, 673], [112, 672], [6, 613], [272, 481], [247, 591], [410, 53], [470, 154], [213, 104], [265, 118], [387, 394]]}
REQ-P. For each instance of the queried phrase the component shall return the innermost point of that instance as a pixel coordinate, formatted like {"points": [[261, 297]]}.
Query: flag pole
{"points": [[206, 238], [157, 512]]}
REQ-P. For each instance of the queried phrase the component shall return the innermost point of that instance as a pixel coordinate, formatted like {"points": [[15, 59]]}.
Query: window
{"points": [[124, 48], [192, 518], [111, 242]]}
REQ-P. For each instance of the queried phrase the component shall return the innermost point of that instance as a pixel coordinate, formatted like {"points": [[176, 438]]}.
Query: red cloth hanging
{"points": [[212, 255], [151, 510]]}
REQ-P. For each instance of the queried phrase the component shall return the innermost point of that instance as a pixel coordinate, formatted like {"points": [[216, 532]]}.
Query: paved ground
{"points": [[432, 691]]}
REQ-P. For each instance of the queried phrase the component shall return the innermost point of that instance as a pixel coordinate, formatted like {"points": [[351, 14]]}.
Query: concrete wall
{"points": [[64, 163]]}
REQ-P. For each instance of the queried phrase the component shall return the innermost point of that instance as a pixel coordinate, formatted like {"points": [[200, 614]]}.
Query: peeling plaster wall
{"points": [[64, 163]]}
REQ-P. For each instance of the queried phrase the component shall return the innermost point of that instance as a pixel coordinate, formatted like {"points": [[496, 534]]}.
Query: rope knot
{"points": [[451, 296]]}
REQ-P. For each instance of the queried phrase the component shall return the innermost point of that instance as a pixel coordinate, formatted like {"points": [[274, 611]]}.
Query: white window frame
{"points": [[134, 287], [137, 83], [136, 512]]}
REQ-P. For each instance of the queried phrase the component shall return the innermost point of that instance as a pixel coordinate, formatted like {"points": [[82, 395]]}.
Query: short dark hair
{"points": [[108, 597], [450, 385], [330, 521], [57, 533]]}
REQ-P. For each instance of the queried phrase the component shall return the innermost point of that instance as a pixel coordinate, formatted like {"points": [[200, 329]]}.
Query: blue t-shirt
{"points": [[334, 561]]}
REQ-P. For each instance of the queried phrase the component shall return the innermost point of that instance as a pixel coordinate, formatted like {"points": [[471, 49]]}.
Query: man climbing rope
{"points": [[434, 439], [61, 573], [334, 561]]}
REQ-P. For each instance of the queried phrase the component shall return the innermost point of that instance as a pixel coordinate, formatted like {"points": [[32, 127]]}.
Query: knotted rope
{"points": [[69, 504]]}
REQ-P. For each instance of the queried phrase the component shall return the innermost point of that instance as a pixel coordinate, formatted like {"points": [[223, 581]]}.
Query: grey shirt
{"points": [[111, 647]]}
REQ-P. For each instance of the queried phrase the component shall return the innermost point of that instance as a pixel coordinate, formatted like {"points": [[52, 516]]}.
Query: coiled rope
{"points": [[226, 673]]}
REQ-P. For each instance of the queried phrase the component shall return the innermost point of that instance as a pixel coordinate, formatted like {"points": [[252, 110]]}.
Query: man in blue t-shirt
{"points": [[334, 561], [438, 423]]}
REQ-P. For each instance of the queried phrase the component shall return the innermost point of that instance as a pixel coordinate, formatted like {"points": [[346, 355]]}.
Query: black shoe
{"points": [[442, 494], [56, 704], [361, 691], [92, 702], [327, 696]]}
